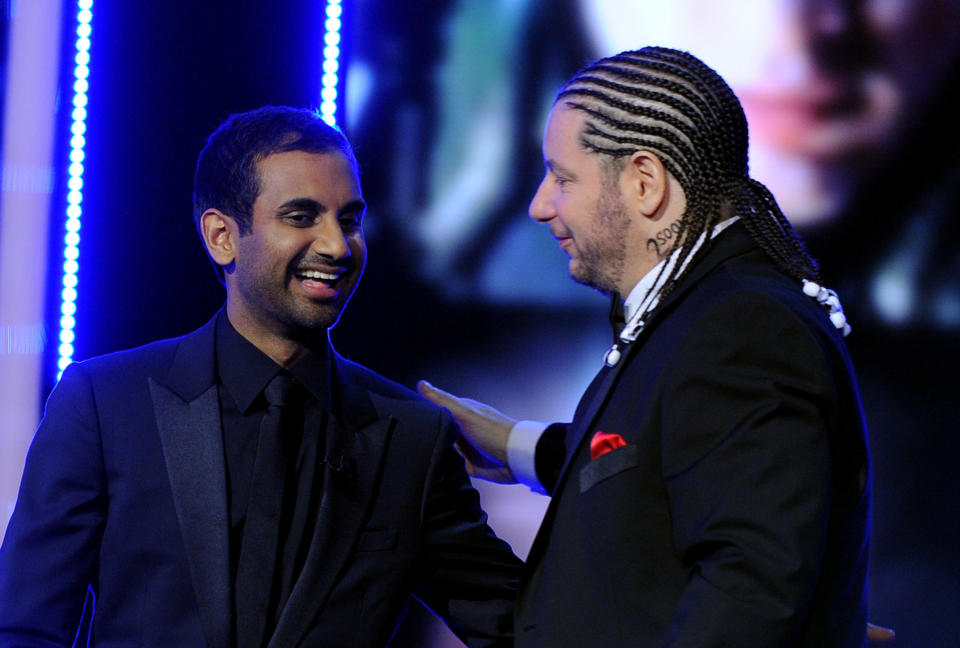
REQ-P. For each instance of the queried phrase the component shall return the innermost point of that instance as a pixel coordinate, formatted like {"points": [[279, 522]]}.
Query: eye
{"points": [[559, 179], [351, 222], [299, 219]]}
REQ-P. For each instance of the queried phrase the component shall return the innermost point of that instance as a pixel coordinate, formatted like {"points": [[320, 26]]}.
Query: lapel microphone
{"points": [[335, 463]]}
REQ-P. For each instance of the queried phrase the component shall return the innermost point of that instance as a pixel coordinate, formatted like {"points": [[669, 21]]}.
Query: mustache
{"points": [[322, 260]]}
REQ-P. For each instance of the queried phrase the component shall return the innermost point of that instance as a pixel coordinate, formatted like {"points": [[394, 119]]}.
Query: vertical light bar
{"points": [[71, 239], [331, 62], [26, 161]]}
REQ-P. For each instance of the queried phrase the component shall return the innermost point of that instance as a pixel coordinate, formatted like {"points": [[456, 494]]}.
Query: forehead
{"points": [[328, 176], [562, 133], [563, 152]]}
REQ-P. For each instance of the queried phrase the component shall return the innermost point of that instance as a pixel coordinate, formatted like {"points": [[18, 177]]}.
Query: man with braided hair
{"points": [[713, 488]]}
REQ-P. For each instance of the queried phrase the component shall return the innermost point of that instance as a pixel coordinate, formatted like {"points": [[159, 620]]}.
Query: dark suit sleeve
{"points": [[747, 410], [550, 454], [468, 576], [49, 553]]}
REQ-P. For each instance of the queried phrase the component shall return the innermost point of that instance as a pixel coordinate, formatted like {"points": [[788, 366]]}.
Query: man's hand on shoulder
{"points": [[484, 432], [878, 634]]}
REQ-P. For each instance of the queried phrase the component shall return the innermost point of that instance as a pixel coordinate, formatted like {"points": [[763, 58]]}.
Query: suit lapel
{"points": [[187, 412], [356, 442], [575, 438], [733, 242]]}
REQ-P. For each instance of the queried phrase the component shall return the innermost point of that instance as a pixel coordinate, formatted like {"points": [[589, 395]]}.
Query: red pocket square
{"points": [[603, 442]]}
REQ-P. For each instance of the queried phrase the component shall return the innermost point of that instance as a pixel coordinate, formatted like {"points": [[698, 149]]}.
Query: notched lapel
{"points": [[193, 451], [353, 467], [576, 437]]}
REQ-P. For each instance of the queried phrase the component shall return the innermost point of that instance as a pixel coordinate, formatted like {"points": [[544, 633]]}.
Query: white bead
{"points": [[613, 356], [846, 330], [839, 319], [834, 303], [810, 289]]}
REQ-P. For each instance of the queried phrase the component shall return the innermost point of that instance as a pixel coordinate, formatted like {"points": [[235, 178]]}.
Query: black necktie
{"points": [[617, 319], [255, 594]]}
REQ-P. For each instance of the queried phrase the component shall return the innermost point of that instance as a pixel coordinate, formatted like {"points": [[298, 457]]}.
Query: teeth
{"points": [[316, 274]]}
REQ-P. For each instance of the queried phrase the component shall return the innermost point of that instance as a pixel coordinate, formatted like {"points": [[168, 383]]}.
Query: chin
{"points": [[313, 320], [592, 281]]}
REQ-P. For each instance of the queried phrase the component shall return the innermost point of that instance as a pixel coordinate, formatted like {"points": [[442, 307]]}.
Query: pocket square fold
{"points": [[603, 442]]}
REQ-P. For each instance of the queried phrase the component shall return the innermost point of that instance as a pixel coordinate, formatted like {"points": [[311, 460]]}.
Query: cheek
{"points": [[358, 250], [883, 16], [916, 34], [577, 215], [265, 261], [563, 206]]}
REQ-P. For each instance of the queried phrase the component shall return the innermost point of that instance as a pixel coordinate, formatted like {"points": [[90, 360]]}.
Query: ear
{"points": [[220, 233], [647, 182]]}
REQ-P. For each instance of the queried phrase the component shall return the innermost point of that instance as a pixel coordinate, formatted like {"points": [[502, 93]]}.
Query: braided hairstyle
{"points": [[672, 104]]}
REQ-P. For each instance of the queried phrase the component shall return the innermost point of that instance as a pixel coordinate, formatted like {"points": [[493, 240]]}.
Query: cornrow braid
{"points": [[670, 103]]}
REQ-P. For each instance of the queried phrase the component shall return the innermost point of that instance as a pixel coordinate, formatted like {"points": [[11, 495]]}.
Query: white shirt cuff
{"points": [[522, 450]]}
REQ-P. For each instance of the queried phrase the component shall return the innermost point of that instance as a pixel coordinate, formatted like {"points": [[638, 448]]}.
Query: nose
{"points": [[330, 240], [541, 206]]}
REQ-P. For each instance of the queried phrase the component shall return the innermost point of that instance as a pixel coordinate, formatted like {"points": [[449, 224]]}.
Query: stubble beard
{"points": [[603, 254], [291, 317]]}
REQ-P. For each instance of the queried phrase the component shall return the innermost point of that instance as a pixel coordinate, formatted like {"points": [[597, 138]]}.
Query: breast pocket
{"points": [[608, 465]]}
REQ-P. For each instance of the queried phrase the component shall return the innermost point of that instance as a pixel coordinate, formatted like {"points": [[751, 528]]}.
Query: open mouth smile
{"points": [[320, 283]]}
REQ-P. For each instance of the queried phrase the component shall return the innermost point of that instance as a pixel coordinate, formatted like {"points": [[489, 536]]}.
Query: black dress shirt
{"points": [[243, 371]]}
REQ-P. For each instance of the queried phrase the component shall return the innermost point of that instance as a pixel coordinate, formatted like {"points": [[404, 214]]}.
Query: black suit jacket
{"points": [[737, 513], [124, 490]]}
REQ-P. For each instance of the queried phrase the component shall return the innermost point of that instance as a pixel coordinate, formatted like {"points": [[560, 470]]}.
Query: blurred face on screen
{"points": [[827, 85]]}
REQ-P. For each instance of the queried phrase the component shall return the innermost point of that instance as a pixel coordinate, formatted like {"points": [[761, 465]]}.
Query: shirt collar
{"points": [[245, 370], [645, 294]]}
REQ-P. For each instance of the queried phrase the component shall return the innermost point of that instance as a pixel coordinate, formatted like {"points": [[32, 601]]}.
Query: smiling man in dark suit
{"points": [[244, 484], [713, 488]]}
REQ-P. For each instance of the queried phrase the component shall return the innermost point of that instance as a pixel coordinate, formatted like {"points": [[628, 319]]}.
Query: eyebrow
{"points": [[556, 168], [304, 204], [311, 205], [353, 207]]}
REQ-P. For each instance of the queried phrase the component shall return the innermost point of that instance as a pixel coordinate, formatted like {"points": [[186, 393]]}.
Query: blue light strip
{"points": [[71, 241], [331, 64]]}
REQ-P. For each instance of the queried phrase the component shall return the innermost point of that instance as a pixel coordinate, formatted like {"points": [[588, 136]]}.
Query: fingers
{"points": [[438, 396], [878, 634], [466, 451], [468, 413]]}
